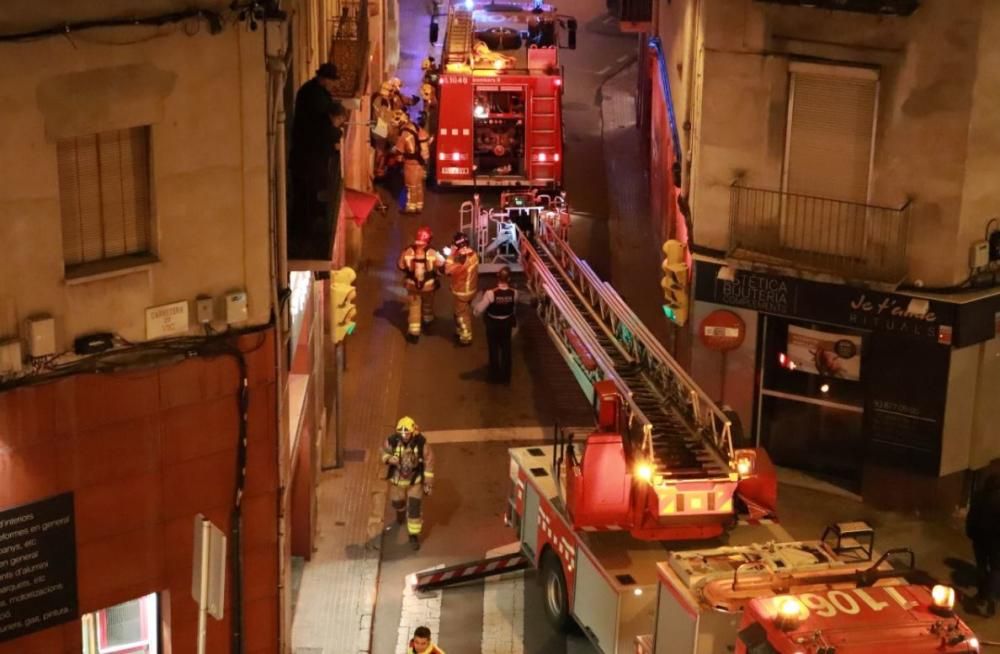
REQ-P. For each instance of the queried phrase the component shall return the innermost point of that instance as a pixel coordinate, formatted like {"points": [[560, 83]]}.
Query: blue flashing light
{"points": [[470, 5]]}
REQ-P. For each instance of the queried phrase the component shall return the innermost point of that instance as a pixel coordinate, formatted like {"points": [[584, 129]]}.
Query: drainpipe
{"points": [[276, 71], [690, 72]]}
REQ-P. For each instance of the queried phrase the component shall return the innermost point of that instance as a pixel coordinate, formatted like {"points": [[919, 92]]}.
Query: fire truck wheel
{"points": [[554, 591]]}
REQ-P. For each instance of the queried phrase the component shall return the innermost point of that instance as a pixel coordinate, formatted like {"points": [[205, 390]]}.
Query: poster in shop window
{"points": [[824, 353]]}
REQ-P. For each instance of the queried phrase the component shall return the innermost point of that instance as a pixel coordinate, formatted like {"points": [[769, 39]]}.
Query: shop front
{"points": [[847, 384]]}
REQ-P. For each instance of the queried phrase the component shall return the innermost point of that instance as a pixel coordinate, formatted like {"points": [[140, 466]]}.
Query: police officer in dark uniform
{"points": [[499, 305]]}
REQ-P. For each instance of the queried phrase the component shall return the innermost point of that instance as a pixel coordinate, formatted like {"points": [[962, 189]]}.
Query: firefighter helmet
{"points": [[396, 83], [406, 424], [461, 240], [385, 89], [424, 235]]}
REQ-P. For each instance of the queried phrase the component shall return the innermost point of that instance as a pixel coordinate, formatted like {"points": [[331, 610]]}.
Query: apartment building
{"points": [[828, 164], [161, 360]]}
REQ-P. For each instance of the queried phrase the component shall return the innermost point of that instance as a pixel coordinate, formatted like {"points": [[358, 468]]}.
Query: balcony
{"points": [[349, 48], [847, 239]]}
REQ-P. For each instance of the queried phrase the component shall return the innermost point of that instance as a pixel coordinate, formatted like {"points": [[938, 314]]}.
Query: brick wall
{"points": [[143, 452]]}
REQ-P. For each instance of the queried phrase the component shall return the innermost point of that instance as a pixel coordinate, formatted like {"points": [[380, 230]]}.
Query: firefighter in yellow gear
{"points": [[410, 462], [462, 266], [420, 264], [414, 165], [421, 643]]}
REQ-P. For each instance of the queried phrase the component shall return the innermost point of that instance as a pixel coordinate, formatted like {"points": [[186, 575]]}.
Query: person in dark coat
{"points": [[313, 151], [982, 526]]}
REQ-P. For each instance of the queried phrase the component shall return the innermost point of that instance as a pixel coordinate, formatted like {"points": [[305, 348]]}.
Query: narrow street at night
{"points": [[499, 327]]}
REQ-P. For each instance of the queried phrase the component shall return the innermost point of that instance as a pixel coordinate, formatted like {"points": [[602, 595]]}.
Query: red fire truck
{"points": [[592, 514], [498, 116], [800, 598]]}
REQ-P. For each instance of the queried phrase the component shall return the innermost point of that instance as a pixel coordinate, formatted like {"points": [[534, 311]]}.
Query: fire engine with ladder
{"points": [[596, 518], [497, 115], [811, 597], [660, 464]]}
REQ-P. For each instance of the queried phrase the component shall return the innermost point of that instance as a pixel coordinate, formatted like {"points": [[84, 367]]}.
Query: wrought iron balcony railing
{"points": [[349, 48], [852, 240]]}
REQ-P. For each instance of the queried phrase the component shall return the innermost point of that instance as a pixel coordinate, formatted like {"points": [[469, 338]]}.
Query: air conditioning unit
{"points": [[884, 7]]}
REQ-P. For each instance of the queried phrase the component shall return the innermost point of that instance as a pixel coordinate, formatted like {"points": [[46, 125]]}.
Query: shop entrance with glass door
{"points": [[810, 398], [131, 627]]}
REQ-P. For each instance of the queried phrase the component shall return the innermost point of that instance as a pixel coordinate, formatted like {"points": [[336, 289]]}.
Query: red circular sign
{"points": [[722, 330]]}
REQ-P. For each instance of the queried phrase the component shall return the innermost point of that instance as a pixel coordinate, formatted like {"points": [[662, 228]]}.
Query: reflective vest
{"points": [[503, 305], [420, 271], [465, 274], [398, 449]]}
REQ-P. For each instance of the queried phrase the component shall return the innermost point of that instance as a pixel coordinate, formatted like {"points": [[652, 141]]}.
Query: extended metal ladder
{"points": [[458, 41], [543, 137], [676, 425]]}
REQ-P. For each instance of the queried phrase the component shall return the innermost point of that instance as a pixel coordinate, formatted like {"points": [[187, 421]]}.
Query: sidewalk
{"points": [[337, 594]]}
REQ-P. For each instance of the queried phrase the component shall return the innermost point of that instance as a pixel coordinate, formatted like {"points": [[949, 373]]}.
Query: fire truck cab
{"points": [[498, 117], [799, 598]]}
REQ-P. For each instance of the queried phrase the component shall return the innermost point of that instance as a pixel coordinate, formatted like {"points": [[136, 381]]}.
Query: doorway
{"points": [[810, 405]]}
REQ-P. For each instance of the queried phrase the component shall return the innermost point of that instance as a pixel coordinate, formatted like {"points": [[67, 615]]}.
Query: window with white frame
{"points": [[105, 195]]}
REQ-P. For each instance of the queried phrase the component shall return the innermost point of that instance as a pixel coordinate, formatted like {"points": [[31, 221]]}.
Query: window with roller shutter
{"points": [[828, 155], [105, 198]]}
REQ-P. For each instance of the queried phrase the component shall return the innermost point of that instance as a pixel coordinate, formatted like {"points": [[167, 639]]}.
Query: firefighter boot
{"points": [[413, 180], [427, 310], [414, 302], [414, 542], [463, 318], [418, 191]]}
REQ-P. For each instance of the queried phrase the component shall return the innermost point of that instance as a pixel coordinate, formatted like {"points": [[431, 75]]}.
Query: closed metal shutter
{"points": [[104, 190], [830, 131], [831, 114]]}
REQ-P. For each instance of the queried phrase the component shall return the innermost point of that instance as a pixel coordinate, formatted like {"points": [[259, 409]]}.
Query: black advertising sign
{"points": [[835, 304], [904, 405], [37, 566]]}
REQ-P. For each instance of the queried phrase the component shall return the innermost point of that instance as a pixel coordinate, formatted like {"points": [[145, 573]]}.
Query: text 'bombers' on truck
{"points": [[498, 114]]}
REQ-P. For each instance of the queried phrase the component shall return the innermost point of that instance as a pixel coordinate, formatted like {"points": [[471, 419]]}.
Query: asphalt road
{"points": [[464, 517]]}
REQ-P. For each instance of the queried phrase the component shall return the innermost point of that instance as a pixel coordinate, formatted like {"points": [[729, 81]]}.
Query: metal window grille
{"points": [[104, 190]]}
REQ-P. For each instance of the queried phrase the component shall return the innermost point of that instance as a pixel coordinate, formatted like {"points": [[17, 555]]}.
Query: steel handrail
{"points": [[703, 406], [555, 294]]}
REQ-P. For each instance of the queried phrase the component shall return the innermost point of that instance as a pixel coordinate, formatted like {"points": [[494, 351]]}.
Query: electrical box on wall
{"points": [[11, 358], [204, 309], [979, 254], [41, 336], [236, 307]]}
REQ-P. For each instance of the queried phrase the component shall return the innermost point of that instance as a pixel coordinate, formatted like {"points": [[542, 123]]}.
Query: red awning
{"points": [[360, 204]]}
